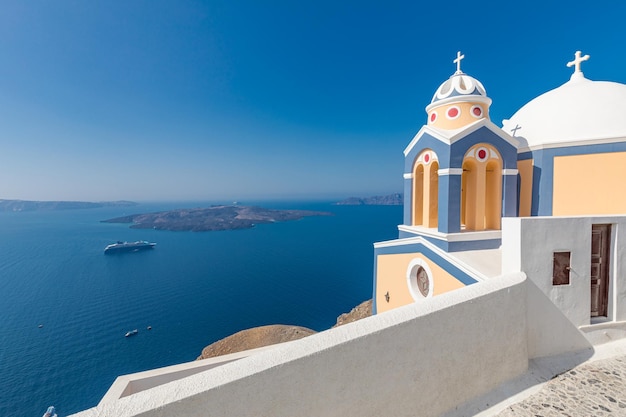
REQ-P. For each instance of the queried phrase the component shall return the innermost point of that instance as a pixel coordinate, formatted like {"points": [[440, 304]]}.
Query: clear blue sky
{"points": [[206, 100]]}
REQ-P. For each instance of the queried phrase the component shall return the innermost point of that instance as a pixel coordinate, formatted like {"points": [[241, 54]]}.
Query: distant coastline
{"points": [[212, 218], [396, 199], [26, 205]]}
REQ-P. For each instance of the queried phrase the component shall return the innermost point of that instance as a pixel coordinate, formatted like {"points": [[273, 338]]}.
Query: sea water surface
{"points": [[65, 306]]}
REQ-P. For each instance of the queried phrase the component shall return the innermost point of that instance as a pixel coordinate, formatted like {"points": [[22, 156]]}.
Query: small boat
{"points": [[132, 333], [129, 246], [50, 412]]}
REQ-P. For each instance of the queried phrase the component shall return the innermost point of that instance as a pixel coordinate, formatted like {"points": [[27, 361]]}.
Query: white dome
{"points": [[459, 84], [579, 110], [460, 87]]}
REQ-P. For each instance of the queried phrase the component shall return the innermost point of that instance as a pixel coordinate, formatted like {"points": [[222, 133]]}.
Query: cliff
{"points": [[273, 334], [255, 338], [357, 313]]}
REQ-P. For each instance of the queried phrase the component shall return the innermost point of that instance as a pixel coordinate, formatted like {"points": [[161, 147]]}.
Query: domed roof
{"points": [[579, 110], [460, 87], [459, 84]]}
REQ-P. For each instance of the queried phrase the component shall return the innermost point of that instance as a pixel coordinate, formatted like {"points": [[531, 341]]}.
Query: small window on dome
{"points": [[476, 111], [445, 88], [453, 112], [433, 117]]}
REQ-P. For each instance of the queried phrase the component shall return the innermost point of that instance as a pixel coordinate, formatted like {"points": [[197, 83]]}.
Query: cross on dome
{"points": [[457, 61], [576, 62], [515, 129]]}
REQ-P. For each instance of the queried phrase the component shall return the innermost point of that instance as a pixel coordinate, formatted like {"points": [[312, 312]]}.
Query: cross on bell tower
{"points": [[457, 61]]}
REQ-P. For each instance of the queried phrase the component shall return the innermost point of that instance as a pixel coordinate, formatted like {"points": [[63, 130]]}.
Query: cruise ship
{"points": [[129, 246]]}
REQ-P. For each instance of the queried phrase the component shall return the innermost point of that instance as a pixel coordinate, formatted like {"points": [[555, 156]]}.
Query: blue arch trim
{"points": [[507, 151], [451, 156], [432, 255], [455, 93], [427, 141]]}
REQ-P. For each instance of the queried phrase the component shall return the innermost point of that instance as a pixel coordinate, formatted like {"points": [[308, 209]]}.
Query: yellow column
{"points": [[427, 197], [433, 203], [470, 173], [418, 194], [493, 207], [481, 197]]}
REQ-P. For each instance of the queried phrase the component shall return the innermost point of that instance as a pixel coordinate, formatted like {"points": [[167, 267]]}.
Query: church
{"points": [[512, 251], [543, 194]]}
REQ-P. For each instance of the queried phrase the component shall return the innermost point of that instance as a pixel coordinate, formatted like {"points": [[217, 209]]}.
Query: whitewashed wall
{"points": [[528, 245], [421, 359]]}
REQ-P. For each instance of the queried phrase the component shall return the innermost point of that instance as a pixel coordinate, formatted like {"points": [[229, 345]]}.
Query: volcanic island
{"points": [[228, 217]]}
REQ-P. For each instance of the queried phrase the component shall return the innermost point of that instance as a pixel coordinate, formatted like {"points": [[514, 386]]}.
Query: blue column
{"points": [[449, 209], [408, 201], [509, 195]]}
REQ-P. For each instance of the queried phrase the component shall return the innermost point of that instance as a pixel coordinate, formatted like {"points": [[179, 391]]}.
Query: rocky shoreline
{"points": [[278, 333]]}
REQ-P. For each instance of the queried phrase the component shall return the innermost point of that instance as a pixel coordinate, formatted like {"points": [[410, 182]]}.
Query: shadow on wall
{"points": [[550, 332], [534, 210]]}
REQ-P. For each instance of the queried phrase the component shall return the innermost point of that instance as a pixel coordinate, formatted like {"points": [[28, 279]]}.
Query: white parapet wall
{"points": [[422, 359], [130, 384]]}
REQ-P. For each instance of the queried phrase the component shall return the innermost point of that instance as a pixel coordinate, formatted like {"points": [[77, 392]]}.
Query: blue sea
{"points": [[65, 306]]}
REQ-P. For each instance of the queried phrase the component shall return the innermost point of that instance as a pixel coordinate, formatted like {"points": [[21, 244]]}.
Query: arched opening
{"points": [[433, 203], [425, 203], [418, 194], [481, 189]]}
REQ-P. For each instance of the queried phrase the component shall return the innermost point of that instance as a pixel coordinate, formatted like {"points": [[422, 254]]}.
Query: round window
{"points": [[422, 281], [482, 154], [476, 111], [453, 112], [419, 279]]}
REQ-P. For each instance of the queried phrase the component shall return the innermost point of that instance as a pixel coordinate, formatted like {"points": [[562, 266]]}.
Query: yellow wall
{"points": [[464, 119], [391, 273], [525, 169], [589, 184]]}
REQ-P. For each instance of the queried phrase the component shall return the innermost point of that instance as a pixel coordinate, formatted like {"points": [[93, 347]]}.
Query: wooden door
{"points": [[600, 245]]}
